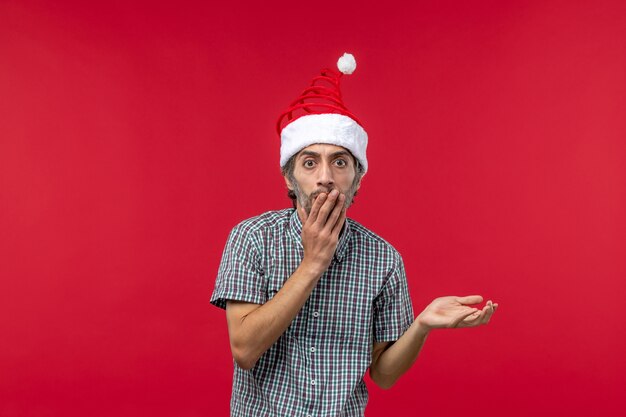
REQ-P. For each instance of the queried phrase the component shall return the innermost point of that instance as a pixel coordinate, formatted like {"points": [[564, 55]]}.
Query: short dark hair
{"points": [[288, 168]]}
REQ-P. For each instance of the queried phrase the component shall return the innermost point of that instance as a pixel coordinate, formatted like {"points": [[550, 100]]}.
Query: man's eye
{"points": [[309, 164], [341, 162]]}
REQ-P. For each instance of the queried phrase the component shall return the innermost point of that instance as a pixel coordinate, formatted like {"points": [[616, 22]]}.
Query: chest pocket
{"points": [[283, 258]]}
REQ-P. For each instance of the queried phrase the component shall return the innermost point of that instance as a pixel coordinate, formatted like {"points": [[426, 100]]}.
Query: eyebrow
{"points": [[308, 153], [317, 155]]}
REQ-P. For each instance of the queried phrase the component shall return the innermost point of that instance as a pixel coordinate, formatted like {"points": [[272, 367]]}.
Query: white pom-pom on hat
{"points": [[347, 63]]}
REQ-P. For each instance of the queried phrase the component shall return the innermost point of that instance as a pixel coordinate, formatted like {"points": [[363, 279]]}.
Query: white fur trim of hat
{"points": [[330, 128]]}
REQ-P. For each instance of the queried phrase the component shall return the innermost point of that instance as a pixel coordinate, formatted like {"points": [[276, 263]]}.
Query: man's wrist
{"points": [[311, 270], [422, 328]]}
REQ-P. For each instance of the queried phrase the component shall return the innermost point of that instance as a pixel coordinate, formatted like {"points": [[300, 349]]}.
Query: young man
{"points": [[314, 299]]}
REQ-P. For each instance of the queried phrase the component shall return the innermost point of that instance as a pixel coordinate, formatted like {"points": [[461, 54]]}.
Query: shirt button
{"points": [[313, 349], [316, 314], [313, 382]]}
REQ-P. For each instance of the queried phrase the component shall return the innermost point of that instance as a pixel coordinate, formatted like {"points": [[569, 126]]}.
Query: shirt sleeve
{"points": [[240, 276], [393, 311]]}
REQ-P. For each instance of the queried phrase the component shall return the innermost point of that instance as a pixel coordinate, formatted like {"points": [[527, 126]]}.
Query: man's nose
{"points": [[325, 178]]}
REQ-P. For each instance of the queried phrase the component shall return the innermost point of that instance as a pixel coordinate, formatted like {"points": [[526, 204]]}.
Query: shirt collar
{"points": [[344, 236]]}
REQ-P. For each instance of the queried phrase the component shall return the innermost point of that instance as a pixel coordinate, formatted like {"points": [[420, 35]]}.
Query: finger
{"points": [[302, 214], [470, 299], [474, 321], [495, 306], [340, 222], [317, 204], [461, 318], [326, 208], [334, 215], [489, 313], [486, 315], [468, 318]]}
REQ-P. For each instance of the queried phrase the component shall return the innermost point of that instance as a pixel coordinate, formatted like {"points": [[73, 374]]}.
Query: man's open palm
{"points": [[452, 311]]}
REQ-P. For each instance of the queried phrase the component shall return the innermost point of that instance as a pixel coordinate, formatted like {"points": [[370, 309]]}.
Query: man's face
{"points": [[321, 168]]}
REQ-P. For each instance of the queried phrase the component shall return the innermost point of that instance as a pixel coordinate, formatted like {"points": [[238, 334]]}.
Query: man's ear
{"points": [[289, 186]]}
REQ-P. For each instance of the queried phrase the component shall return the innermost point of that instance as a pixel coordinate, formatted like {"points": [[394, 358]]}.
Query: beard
{"points": [[306, 200]]}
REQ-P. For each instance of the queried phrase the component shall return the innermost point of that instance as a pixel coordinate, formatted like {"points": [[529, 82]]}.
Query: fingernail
{"points": [[334, 193]]}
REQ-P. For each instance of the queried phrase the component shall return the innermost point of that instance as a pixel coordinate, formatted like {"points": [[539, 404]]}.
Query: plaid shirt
{"points": [[316, 367]]}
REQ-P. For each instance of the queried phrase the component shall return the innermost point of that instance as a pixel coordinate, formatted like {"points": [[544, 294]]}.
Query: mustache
{"points": [[319, 191]]}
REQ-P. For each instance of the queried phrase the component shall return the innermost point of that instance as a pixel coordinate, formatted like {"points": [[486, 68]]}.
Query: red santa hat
{"points": [[319, 115]]}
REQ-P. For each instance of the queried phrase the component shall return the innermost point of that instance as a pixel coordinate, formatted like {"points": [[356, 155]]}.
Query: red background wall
{"points": [[134, 136]]}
